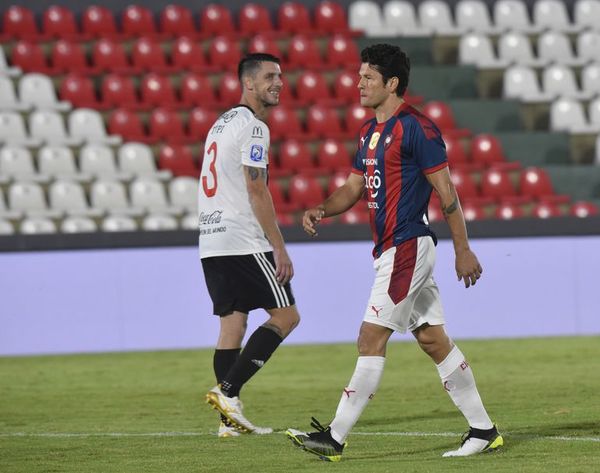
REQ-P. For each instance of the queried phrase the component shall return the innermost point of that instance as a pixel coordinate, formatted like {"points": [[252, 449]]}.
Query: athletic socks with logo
{"points": [[362, 387], [259, 348], [458, 380]]}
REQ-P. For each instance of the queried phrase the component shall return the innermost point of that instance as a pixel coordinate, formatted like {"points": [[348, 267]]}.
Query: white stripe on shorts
{"points": [[281, 297]]}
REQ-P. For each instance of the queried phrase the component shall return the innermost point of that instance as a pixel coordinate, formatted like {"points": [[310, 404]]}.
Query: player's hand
{"points": [[468, 267], [284, 270], [310, 220]]}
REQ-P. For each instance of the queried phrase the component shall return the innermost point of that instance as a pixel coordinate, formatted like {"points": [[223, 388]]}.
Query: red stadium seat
{"points": [[343, 52], [217, 20], [303, 52], [356, 215], [30, 57], [356, 116], [69, 56], [128, 125], [261, 43], [324, 122], [280, 202], [188, 54], [119, 91], [157, 90], [177, 20], [196, 89], [293, 18], [464, 184], [224, 53], [109, 55], [147, 54], [546, 210], [336, 181], [99, 22], [508, 211], [179, 160], [138, 21], [19, 22], [345, 87], [434, 211], [59, 22], [254, 19], [472, 211], [311, 87], [229, 90], [285, 219], [295, 155], [332, 156], [536, 184], [287, 95], [200, 122], [165, 124], [330, 17], [457, 157], [497, 185], [584, 209], [284, 123], [80, 92], [305, 191], [487, 150], [441, 114]]}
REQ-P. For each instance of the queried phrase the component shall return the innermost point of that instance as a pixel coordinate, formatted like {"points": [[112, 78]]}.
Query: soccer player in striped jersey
{"points": [[245, 262], [401, 158]]}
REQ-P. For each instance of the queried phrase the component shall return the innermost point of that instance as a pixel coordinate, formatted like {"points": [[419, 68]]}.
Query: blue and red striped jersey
{"points": [[394, 157]]}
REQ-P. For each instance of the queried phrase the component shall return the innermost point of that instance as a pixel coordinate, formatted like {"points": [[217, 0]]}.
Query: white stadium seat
{"points": [[149, 194], [512, 15], [119, 223], [78, 225], [12, 130], [48, 126], [515, 47], [586, 14], [365, 15], [436, 16], [137, 159], [37, 90], [59, 162], [29, 197], [590, 78], [99, 161], [183, 192], [552, 15], [6, 227], [559, 81], [110, 196], [8, 97], [159, 222], [400, 17], [477, 49], [555, 47], [37, 225], [588, 46], [594, 112], [68, 197], [521, 83], [5, 69], [5, 213], [568, 115], [189, 222], [473, 15], [87, 125], [17, 163]]}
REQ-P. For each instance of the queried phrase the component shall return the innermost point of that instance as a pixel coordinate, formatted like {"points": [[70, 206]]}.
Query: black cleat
{"points": [[319, 443]]}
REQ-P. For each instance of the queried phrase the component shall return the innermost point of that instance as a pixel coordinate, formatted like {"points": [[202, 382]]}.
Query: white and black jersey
{"points": [[227, 223]]}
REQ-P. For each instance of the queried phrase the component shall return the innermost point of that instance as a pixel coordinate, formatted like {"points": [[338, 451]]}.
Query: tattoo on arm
{"points": [[255, 173], [451, 208]]}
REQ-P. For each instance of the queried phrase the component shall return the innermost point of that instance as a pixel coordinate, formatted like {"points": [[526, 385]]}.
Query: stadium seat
{"points": [[486, 151], [521, 83], [356, 116], [183, 193], [137, 159], [196, 89], [584, 209], [16, 163], [30, 57], [87, 125], [261, 43], [441, 114], [324, 122], [59, 22], [12, 130], [552, 15], [200, 122], [6, 227], [216, 20], [555, 47], [28, 197], [594, 112], [472, 211], [149, 195], [78, 225], [400, 19], [224, 53], [5, 69], [303, 52], [187, 54], [157, 91], [437, 17], [559, 81], [330, 17], [513, 15], [457, 156], [497, 185], [293, 18], [332, 156], [284, 123], [119, 223], [58, 162], [365, 16], [255, 18], [68, 198], [189, 222], [110, 196], [434, 212], [345, 87], [342, 51], [586, 13], [588, 46], [19, 23], [99, 161], [178, 160], [474, 16], [279, 200], [80, 92], [305, 191], [477, 49], [8, 97], [229, 90], [148, 55], [138, 21], [465, 184], [37, 91], [177, 20], [311, 87], [546, 210], [590, 78], [337, 180], [128, 125], [295, 156], [509, 211], [68, 56], [37, 225], [49, 127], [569, 115], [535, 183], [108, 55], [515, 47], [99, 22], [159, 223], [119, 91], [356, 215]]}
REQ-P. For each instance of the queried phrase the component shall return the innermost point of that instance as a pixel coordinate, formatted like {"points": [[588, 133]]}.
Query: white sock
{"points": [[362, 387], [458, 381]]}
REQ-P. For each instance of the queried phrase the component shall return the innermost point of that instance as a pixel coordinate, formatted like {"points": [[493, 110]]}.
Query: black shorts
{"points": [[244, 282]]}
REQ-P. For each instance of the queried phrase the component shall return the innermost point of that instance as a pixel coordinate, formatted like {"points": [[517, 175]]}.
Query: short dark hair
{"points": [[390, 61], [251, 63]]}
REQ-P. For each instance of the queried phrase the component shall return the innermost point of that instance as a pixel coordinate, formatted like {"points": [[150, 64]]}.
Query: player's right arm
{"points": [[341, 200]]}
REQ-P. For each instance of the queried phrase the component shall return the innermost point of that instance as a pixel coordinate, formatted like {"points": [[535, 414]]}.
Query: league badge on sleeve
{"points": [[256, 153]]}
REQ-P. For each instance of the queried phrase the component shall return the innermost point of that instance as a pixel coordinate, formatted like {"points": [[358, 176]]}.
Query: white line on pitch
{"points": [[202, 434]]}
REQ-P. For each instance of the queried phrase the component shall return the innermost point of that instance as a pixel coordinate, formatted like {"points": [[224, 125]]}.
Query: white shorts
{"points": [[404, 295]]}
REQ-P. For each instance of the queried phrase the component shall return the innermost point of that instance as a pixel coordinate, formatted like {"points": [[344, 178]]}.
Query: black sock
{"points": [[261, 345], [223, 360]]}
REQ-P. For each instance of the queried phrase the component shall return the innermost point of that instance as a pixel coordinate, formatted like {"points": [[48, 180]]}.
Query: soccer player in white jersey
{"points": [[244, 258]]}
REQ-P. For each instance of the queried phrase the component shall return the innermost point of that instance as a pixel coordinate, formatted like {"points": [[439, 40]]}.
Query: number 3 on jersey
{"points": [[211, 191]]}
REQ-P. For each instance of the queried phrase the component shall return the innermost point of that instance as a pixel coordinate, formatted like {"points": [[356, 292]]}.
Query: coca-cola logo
{"points": [[208, 219]]}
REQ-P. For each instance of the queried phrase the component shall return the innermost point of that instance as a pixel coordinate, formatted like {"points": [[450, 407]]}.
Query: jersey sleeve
{"points": [[254, 144], [358, 165], [429, 148]]}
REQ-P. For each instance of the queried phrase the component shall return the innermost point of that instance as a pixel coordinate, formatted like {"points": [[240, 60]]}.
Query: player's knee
{"points": [[285, 320], [370, 344]]}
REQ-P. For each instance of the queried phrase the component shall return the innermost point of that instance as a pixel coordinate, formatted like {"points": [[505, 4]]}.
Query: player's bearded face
{"points": [[268, 83], [372, 89]]}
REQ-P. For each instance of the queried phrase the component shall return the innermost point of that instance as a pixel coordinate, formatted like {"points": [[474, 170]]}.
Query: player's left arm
{"points": [[467, 265]]}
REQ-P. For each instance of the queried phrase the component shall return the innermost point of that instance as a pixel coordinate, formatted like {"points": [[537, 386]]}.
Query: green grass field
{"points": [[145, 412]]}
